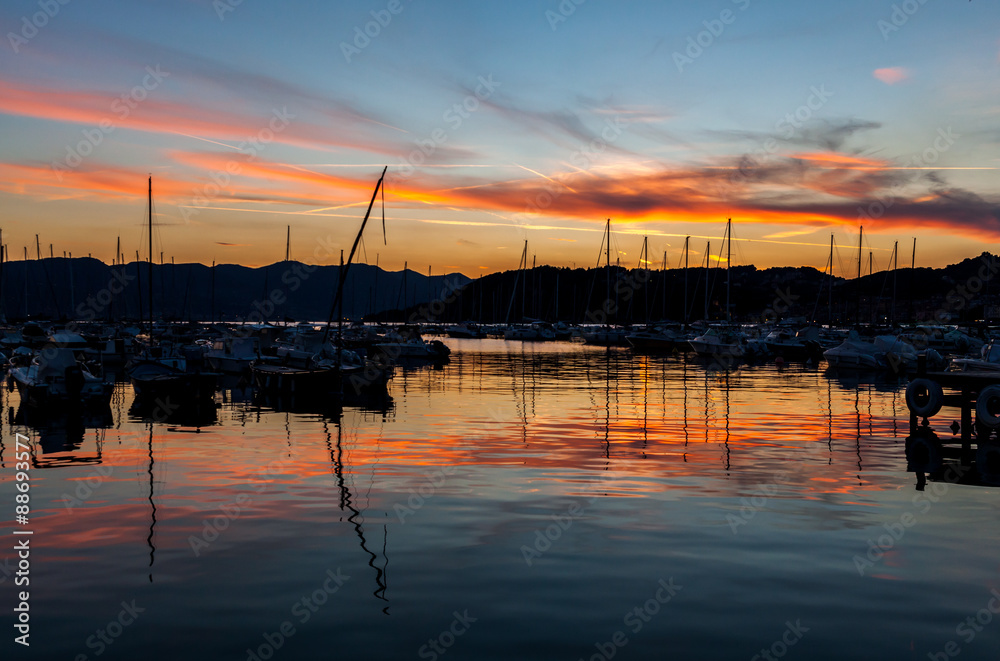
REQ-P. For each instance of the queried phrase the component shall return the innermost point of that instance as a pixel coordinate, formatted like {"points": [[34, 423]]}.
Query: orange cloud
{"points": [[157, 114]]}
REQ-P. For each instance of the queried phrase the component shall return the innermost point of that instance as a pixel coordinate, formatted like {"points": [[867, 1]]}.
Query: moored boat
{"points": [[56, 377]]}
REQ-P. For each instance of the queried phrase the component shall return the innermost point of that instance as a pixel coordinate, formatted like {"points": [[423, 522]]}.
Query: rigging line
{"points": [[600, 254]]}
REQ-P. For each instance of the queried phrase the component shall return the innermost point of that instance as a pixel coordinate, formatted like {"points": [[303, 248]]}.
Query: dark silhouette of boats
{"points": [[158, 374], [55, 378]]}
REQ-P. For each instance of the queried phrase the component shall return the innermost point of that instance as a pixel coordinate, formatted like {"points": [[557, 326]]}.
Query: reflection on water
{"points": [[544, 490]]}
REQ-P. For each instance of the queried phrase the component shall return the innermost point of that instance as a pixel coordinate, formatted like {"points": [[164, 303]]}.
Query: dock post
{"points": [[967, 427]]}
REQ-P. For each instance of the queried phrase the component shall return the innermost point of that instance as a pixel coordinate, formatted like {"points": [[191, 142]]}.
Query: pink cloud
{"points": [[891, 75]]}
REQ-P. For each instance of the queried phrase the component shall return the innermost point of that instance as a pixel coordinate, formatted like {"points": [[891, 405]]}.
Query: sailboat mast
{"points": [[557, 295], [608, 250], [687, 256], [913, 264], [288, 242], [895, 267], [708, 252], [830, 293], [118, 250], [645, 290], [872, 303], [861, 236], [729, 254], [664, 308], [857, 298], [212, 313], [342, 280], [150, 283], [138, 286], [524, 280]]}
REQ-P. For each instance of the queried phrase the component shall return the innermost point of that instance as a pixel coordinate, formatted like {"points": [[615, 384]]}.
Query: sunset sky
{"points": [[502, 122]]}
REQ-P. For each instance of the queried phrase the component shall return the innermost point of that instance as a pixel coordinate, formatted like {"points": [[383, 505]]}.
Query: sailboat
{"points": [[159, 373], [322, 374], [722, 341], [606, 336]]}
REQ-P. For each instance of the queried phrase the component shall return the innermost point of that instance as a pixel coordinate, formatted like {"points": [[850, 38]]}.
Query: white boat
{"points": [[233, 355], [115, 351], [943, 338], [300, 345], [466, 331], [989, 360], [56, 377], [800, 345], [522, 333], [854, 353], [414, 348], [656, 340], [606, 337], [719, 342]]}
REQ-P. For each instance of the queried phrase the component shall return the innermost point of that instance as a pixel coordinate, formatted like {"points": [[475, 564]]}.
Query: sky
{"points": [[500, 123]]}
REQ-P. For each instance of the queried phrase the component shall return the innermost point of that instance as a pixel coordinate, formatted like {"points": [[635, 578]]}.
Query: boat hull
{"points": [[283, 380], [652, 344], [92, 392], [152, 381], [229, 364], [715, 349]]}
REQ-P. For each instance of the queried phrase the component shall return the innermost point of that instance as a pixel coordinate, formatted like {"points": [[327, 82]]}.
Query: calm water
{"points": [[523, 501]]}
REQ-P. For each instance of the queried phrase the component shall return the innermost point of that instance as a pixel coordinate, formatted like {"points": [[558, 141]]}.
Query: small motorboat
{"points": [[233, 355], [466, 331], [854, 353], [988, 361], [655, 340], [716, 342], [407, 344], [606, 337], [159, 373], [801, 345], [55, 376]]}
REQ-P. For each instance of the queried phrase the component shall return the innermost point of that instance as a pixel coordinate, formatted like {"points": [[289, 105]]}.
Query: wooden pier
{"points": [[976, 394]]}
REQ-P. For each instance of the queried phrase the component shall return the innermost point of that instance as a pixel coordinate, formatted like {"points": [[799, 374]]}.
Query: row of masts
{"points": [[645, 261]]}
